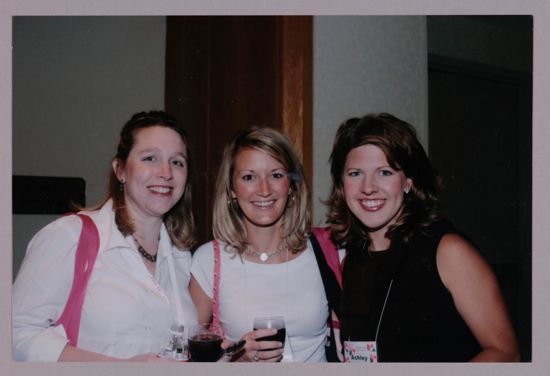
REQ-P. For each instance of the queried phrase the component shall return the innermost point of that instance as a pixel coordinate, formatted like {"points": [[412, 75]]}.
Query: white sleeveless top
{"points": [[293, 289]]}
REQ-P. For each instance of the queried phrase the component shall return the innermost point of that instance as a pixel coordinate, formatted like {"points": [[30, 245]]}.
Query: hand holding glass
{"points": [[275, 322]]}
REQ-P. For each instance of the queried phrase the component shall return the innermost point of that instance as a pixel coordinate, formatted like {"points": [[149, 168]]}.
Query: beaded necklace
{"points": [[144, 253]]}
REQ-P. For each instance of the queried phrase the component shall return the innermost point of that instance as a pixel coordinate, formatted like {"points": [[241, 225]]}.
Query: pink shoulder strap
{"points": [[216, 288], [322, 234], [86, 253]]}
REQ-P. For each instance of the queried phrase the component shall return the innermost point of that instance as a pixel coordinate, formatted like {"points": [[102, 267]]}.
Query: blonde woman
{"points": [[261, 223]]}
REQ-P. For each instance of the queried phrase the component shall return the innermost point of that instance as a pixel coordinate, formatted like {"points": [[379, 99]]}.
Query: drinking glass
{"points": [[275, 322], [176, 347], [205, 342]]}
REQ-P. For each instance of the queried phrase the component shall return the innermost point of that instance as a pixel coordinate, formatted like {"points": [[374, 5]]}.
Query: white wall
{"points": [[365, 64], [81, 77], [84, 76]]}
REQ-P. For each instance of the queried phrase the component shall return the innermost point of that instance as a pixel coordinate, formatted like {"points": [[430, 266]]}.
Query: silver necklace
{"points": [[264, 256]]}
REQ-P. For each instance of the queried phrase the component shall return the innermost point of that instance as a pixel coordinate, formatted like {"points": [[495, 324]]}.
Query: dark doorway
{"points": [[480, 141]]}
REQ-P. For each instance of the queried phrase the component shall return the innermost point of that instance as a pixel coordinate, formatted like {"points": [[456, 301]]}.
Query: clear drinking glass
{"points": [[176, 348], [275, 322]]}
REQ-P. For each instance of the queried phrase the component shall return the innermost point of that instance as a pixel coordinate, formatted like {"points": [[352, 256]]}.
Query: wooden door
{"points": [[225, 73]]}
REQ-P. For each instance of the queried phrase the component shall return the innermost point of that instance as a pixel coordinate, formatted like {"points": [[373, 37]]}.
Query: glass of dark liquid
{"points": [[205, 342], [275, 322]]}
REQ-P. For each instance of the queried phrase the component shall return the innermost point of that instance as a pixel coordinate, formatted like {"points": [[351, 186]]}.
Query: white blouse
{"points": [[293, 289], [127, 311]]}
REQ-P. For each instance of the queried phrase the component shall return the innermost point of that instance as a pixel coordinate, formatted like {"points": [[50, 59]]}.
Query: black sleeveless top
{"points": [[419, 322]]}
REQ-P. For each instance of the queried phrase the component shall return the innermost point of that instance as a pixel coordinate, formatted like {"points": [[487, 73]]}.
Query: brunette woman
{"points": [[414, 289], [137, 288]]}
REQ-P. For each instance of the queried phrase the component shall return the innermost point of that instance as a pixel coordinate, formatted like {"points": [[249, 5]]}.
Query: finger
{"points": [[237, 356], [277, 359], [246, 353], [267, 345], [259, 333], [270, 356], [226, 343]]}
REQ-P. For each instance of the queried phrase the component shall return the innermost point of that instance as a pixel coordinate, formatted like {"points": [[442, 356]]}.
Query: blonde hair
{"points": [[228, 223]]}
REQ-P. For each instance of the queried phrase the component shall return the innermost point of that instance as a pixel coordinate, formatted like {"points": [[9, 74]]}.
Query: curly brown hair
{"points": [[399, 142]]}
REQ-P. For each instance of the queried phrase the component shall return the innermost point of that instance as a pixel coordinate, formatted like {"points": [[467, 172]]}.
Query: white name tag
{"points": [[360, 351]]}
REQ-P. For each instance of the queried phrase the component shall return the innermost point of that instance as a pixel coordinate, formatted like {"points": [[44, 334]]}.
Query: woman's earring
{"points": [[232, 203], [121, 185], [406, 190], [291, 199]]}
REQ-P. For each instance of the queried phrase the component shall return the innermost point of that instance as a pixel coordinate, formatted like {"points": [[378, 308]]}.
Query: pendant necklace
{"points": [[264, 256]]}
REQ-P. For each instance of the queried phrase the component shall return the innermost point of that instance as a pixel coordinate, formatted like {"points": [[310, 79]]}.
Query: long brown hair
{"points": [[399, 142], [179, 219]]}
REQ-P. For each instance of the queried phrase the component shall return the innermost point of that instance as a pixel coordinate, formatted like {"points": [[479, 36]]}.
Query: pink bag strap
{"points": [[216, 288], [86, 253], [322, 234]]}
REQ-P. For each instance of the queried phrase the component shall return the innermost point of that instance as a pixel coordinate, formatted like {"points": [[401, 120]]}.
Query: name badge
{"points": [[360, 351]]}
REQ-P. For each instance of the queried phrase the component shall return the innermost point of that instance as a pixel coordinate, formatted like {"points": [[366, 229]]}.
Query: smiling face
{"points": [[261, 187], [374, 191], [155, 173]]}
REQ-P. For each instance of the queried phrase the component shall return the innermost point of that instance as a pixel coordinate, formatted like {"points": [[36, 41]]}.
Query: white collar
{"points": [[111, 237]]}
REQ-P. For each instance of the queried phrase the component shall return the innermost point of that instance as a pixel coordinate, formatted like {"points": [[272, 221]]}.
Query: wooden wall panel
{"points": [[225, 73]]}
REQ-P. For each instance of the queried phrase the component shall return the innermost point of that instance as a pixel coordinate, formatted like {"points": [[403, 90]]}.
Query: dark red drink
{"points": [[279, 336], [205, 347]]}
